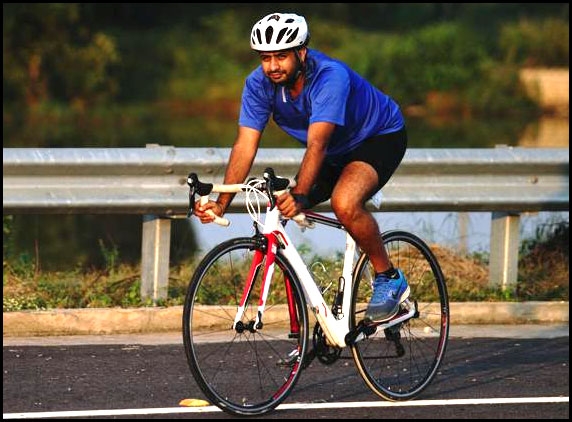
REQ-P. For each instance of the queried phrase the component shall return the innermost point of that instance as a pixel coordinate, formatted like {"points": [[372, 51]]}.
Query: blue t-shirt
{"points": [[332, 93]]}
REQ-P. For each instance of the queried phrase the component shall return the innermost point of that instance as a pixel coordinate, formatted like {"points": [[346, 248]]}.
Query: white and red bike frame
{"points": [[335, 327]]}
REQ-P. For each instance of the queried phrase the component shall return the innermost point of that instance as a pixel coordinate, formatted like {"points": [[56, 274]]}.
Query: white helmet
{"points": [[279, 31]]}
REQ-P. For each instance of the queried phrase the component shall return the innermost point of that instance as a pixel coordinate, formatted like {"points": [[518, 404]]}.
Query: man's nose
{"points": [[274, 63]]}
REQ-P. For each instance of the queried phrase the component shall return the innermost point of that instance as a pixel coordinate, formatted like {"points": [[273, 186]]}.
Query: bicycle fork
{"points": [[259, 255]]}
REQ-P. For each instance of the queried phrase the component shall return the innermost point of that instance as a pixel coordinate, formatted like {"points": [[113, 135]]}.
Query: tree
{"points": [[50, 54]]}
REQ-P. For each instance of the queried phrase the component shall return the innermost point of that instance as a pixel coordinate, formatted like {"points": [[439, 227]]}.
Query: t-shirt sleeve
{"points": [[329, 96], [255, 108]]}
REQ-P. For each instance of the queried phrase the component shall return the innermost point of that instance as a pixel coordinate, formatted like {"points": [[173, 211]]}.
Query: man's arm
{"points": [[239, 164], [319, 134], [240, 161]]}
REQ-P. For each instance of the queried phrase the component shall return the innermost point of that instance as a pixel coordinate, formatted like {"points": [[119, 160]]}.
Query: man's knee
{"points": [[345, 209]]}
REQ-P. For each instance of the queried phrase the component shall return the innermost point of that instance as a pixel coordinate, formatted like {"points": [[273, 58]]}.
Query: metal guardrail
{"points": [[152, 182]]}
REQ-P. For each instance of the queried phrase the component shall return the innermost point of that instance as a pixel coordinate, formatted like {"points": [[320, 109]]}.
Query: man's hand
{"points": [[206, 217], [287, 205], [291, 205]]}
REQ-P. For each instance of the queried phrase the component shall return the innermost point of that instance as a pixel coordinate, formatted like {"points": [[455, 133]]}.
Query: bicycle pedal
{"points": [[292, 357]]}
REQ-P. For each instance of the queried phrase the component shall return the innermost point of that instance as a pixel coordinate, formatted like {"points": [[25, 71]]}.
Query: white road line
{"points": [[289, 406]]}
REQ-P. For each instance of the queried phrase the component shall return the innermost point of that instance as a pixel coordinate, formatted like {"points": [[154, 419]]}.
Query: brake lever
{"points": [[192, 181], [269, 178], [191, 204]]}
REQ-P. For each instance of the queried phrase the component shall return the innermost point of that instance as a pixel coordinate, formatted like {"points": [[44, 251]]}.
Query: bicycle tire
{"points": [[243, 373], [400, 362]]}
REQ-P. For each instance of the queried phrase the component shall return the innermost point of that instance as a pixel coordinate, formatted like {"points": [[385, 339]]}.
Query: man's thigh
{"points": [[357, 183]]}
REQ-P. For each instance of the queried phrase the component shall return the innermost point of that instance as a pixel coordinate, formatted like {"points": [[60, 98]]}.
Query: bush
{"points": [[444, 66], [543, 275], [543, 43], [544, 265]]}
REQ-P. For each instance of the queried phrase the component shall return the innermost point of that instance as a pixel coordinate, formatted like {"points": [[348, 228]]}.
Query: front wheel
{"points": [[399, 362], [245, 370]]}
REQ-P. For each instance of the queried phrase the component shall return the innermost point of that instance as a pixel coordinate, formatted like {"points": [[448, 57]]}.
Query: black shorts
{"points": [[384, 153]]}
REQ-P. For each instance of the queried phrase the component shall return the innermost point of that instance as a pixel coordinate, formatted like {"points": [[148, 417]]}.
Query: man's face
{"points": [[280, 66]]}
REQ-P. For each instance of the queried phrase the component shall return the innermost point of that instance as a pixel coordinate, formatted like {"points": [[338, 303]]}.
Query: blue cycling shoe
{"points": [[388, 293]]}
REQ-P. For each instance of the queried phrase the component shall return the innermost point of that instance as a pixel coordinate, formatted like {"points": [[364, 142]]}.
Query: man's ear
{"points": [[302, 53]]}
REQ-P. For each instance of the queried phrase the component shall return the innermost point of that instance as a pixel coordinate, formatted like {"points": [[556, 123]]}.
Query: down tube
{"points": [[334, 330]]}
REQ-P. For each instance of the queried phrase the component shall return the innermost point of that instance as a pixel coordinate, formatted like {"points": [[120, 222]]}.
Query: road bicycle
{"points": [[251, 302]]}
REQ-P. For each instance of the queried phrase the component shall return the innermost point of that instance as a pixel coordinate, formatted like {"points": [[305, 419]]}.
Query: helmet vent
{"points": [[281, 35], [258, 36], [268, 34], [293, 36]]}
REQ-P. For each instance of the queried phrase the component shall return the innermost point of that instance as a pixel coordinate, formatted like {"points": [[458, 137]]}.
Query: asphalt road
{"points": [[528, 376]]}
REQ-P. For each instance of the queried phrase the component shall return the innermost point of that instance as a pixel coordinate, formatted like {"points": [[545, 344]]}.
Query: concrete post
{"points": [[464, 232], [503, 265], [155, 252]]}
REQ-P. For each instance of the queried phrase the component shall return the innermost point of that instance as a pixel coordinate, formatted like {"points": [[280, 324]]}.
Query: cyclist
{"points": [[354, 134]]}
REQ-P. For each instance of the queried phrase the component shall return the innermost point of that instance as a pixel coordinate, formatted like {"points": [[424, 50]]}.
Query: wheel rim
{"points": [[400, 362]]}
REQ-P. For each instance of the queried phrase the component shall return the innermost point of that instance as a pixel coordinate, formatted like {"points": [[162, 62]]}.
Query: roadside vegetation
{"points": [[105, 74], [110, 71], [543, 276]]}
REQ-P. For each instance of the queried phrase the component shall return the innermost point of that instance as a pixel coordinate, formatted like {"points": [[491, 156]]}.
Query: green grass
{"points": [[543, 276]]}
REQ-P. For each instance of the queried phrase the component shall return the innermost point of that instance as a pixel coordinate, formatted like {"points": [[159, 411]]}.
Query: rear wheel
{"points": [[399, 362]]}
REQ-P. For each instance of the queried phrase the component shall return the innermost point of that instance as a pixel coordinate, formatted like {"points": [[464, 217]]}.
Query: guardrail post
{"points": [[503, 263], [463, 232], [155, 252]]}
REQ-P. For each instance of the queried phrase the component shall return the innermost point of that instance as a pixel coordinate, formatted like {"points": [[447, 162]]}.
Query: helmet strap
{"points": [[300, 70]]}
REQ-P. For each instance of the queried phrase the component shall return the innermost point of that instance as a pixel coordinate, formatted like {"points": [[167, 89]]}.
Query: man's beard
{"points": [[289, 82]]}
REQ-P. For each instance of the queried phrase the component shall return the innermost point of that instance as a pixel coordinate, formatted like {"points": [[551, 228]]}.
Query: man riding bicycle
{"points": [[354, 135]]}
